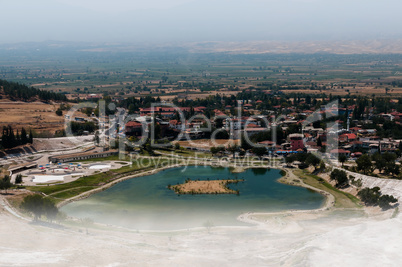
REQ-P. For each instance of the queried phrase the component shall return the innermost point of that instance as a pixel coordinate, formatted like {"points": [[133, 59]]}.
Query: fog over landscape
{"points": [[178, 21]]}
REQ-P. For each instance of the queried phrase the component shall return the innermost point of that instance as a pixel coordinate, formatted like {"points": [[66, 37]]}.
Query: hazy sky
{"points": [[198, 20]]}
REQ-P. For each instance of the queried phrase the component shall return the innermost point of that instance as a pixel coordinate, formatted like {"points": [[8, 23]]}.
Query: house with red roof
{"points": [[133, 128], [348, 137]]}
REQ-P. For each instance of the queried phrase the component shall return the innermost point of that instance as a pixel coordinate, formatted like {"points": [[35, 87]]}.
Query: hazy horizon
{"points": [[197, 21]]}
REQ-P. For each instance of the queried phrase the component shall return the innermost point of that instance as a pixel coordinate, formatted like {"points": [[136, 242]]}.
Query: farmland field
{"points": [[179, 72]]}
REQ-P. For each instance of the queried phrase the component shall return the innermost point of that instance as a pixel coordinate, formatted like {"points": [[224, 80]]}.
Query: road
{"points": [[121, 113]]}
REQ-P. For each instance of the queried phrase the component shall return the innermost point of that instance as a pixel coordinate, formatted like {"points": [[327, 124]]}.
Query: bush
{"points": [[385, 200]]}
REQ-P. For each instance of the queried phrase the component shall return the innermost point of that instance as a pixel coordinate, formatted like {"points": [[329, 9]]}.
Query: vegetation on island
{"points": [[195, 187]]}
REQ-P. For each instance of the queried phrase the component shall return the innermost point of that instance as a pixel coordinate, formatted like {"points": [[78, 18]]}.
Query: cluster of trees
{"points": [[20, 91], [258, 151], [373, 197], [307, 159], [216, 150], [304, 101], [39, 206], [10, 139], [134, 104], [340, 177], [78, 127], [385, 163], [385, 128]]}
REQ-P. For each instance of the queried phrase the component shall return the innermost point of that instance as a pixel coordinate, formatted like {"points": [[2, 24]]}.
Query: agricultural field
{"points": [[181, 73]]}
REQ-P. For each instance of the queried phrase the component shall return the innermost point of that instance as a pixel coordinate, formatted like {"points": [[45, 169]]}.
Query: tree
{"points": [[18, 179], [389, 159], [51, 210], [385, 200], [340, 177], [24, 137], [18, 138], [244, 144], [97, 139], [222, 134], [5, 183], [22, 92], [176, 146], [30, 138], [342, 158], [379, 161], [214, 150], [364, 164], [38, 206], [59, 112], [33, 204], [322, 166], [259, 151], [289, 159], [370, 196], [312, 160]]}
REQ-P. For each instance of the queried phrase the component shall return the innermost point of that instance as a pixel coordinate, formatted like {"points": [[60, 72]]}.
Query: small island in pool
{"points": [[205, 187]]}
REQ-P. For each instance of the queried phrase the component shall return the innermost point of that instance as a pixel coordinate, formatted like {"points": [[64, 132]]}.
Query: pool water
{"points": [[145, 203]]}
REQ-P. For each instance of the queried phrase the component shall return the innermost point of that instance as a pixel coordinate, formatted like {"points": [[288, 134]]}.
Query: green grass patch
{"points": [[87, 183], [342, 199], [72, 192]]}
